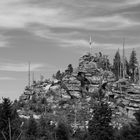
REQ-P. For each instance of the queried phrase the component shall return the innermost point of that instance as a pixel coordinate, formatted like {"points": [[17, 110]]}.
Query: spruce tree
{"points": [[133, 64], [117, 65], [99, 126], [127, 67], [9, 120]]}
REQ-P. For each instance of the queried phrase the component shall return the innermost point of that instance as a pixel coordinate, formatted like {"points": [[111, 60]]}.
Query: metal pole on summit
{"points": [[139, 73], [29, 73], [90, 44], [33, 77], [123, 58]]}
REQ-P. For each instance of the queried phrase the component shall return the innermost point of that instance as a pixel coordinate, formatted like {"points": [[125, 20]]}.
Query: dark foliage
{"points": [[69, 70], [46, 130], [133, 64], [131, 131], [117, 65], [32, 130], [62, 131], [99, 125], [59, 75], [9, 120]]}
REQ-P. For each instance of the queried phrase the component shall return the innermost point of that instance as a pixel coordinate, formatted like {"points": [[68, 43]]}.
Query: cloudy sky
{"points": [[54, 33]]}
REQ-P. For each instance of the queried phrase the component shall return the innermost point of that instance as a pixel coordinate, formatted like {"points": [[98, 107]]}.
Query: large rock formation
{"points": [[91, 81]]}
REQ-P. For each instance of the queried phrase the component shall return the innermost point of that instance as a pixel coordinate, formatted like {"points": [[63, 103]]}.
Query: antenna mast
{"points": [[90, 43], [139, 74], [29, 73], [119, 67], [123, 58], [33, 77]]}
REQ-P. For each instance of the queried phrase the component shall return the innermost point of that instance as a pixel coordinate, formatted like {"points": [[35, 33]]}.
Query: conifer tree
{"points": [[117, 65], [99, 126], [133, 64], [69, 70], [9, 120], [127, 67]]}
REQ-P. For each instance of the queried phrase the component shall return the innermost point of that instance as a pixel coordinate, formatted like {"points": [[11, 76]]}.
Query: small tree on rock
{"points": [[69, 70]]}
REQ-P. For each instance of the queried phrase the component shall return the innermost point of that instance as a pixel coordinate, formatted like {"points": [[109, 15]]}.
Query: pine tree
{"points": [[9, 120], [127, 67], [117, 65], [133, 64], [99, 126]]}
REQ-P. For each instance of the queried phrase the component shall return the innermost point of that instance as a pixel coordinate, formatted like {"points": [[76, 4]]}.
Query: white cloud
{"points": [[71, 40], [48, 34], [132, 2], [63, 39], [93, 23], [19, 14], [115, 22]]}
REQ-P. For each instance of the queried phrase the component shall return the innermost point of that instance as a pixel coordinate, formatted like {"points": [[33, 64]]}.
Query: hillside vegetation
{"points": [[92, 101]]}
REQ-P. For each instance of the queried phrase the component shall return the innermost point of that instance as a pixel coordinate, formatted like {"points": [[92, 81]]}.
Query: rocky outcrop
{"points": [[84, 83]]}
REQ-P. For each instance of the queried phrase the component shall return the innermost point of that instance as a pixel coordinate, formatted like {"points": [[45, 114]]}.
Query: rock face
{"points": [[84, 82]]}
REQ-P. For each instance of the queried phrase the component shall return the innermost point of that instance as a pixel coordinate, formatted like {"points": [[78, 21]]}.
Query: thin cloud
{"points": [[107, 23], [71, 40], [19, 14], [132, 2], [48, 34], [93, 23], [62, 39], [22, 14]]}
